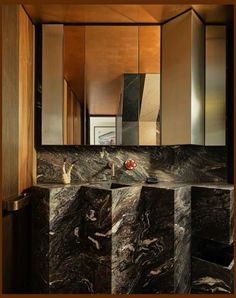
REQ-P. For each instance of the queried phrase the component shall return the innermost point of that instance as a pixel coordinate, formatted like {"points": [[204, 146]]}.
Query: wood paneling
{"points": [[65, 114], [109, 53], [17, 141], [74, 14], [135, 13], [155, 13], [18, 99], [77, 122], [149, 49], [74, 47], [10, 100], [26, 101], [70, 115]]}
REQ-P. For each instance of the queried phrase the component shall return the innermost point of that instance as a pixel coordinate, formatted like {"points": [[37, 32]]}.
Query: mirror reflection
{"points": [[111, 84], [122, 69]]}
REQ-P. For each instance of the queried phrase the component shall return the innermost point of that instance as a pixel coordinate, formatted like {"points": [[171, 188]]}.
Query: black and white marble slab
{"points": [[112, 239], [169, 163], [162, 254], [49, 206], [213, 212]]}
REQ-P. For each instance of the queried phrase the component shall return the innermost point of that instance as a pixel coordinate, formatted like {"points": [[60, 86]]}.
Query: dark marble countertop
{"points": [[166, 185]]}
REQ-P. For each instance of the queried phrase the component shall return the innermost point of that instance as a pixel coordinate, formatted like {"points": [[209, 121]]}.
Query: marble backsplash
{"points": [[183, 163]]}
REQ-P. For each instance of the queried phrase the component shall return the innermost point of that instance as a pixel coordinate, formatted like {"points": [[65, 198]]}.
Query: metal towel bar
{"points": [[16, 203]]}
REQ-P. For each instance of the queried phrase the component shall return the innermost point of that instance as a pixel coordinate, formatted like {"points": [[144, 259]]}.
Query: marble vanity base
{"points": [[111, 239], [155, 255], [213, 212], [212, 267]]}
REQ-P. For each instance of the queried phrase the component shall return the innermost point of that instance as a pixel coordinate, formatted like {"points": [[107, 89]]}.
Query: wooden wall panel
{"points": [[26, 101], [74, 59], [70, 113], [18, 101], [149, 49], [77, 121], [17, 141], [65, 104], [10, 100], [109, 53]]}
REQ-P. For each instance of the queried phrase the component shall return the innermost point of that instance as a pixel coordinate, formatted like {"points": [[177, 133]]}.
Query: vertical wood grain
{"points": [[18, 155], [65, 114], [149, 49], [77, 122], [10, 100], [26, 101], [70, 113]]}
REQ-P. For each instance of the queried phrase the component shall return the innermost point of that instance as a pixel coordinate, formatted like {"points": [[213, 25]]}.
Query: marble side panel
{"points": [[49, 206], [170, 164], [80, 259], [40, 239], [212, 213]]}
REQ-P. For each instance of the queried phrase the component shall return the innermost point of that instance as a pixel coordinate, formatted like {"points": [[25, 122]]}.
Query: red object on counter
{"points": [[130, 164]]}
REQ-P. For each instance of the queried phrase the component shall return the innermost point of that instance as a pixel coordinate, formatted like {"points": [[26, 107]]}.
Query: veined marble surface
{"points": [[212, 267], [111, 239], [169, 163], [108, 237], [213, 212]]}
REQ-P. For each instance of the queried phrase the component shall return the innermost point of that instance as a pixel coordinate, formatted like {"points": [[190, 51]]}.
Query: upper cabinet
{"points": [[134, 85]]}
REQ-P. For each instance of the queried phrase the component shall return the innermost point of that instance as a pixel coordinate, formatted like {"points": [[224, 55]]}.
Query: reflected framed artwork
{"points": [[104, 135]]}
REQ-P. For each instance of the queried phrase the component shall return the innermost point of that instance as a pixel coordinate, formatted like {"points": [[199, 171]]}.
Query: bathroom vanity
{"points": [[114, 238]]}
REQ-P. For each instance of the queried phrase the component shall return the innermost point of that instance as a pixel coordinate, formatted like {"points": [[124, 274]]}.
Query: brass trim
{"points": [[16, 203]]}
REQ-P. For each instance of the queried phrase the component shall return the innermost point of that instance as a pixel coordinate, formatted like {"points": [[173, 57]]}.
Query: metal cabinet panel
{"points": [[182, 111], [215, 105]]}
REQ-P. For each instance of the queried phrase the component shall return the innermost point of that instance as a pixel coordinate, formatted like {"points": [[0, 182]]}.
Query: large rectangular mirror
{"points": [[101, 84], [111, 85]]}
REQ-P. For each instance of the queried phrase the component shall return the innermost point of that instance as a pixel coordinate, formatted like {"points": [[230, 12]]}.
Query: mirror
{"points": [[101, 84], [111, 89]]}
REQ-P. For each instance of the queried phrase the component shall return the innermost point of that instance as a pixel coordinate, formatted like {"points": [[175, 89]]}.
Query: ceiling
{"points": [[55, 13]]}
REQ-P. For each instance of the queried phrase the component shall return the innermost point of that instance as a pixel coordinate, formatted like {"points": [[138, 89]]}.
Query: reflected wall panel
{"points": [[215, 115], [149, 49], [182, 112], [149, 116], [52, 85], [74, 55], [110, 51]]}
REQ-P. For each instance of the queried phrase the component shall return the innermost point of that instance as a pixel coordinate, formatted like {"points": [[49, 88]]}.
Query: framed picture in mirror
{"points": [[104, 135]]}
